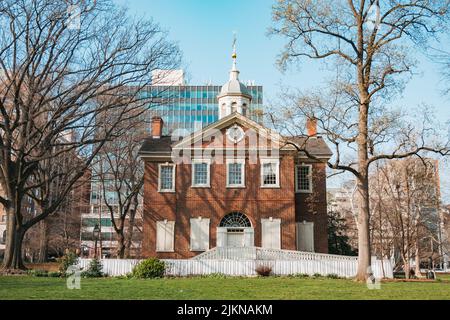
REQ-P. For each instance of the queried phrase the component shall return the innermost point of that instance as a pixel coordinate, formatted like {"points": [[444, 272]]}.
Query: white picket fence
{"points": [[257, 253], [341, 267]]}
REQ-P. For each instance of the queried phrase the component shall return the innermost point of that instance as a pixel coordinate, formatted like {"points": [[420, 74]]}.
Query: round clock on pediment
{"points": [[235, 133]]}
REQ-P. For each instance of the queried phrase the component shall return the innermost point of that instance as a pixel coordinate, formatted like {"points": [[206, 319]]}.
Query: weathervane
{"points": [[234, 45]]}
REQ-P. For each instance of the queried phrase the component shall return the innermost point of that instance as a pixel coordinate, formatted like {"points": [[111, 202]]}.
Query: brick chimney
{"points": [[157, 126], [311, 127]]}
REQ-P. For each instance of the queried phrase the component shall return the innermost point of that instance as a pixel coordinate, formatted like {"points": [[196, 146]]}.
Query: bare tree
{"points": [[59, 72], [46, 183], [60, 231], [119, 173], [371, 43], [407, 193], [64, 225], [441, 55], [382, 240]]}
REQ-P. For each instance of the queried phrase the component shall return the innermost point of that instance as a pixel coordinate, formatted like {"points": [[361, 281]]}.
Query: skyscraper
{"points": [[188, 107]]}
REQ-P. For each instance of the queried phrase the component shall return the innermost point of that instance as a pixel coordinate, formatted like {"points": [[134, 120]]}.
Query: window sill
{"points": [[166, 191], [304, 192], [235, 187], [270, 187], [201, 187]]}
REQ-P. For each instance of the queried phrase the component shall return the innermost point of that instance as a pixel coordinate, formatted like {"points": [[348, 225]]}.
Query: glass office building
{"points": [[193, 107]]}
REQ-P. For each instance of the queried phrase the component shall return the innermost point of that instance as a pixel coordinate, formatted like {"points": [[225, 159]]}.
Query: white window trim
{"points": [[265, 161], [242, 162], [167, 164], [297, 190], [208, 173]]}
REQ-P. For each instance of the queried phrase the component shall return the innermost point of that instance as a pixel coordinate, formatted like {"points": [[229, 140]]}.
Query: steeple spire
{"points": [[234, 95], [234, 74]]}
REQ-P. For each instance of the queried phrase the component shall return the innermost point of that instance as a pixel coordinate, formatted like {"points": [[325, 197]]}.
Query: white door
{"points": [[235, 239], [271, 233], [305, 236]]}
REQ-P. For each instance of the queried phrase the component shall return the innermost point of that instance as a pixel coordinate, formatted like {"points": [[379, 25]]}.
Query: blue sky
{"points": [[204, 32]]}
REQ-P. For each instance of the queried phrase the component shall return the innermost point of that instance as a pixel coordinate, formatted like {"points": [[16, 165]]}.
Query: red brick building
{"points": [[234, 183]]}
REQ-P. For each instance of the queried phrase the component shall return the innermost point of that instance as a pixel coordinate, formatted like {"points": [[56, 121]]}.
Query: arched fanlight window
{"points": [[235, 220]]}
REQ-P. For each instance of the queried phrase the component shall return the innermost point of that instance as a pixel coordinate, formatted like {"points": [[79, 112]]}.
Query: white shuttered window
{"points": [[305, 236], [165, 234], [199, 234], [271, 233]]}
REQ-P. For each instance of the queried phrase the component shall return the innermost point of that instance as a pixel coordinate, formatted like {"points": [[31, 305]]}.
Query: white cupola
{"points": [[234, 95]]}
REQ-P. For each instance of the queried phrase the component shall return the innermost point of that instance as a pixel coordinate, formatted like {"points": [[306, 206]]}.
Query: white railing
{"points": [[248, 267], [256, 253], [195, 267]]}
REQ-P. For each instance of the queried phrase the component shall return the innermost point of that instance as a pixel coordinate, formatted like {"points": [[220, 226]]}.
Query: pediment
{"points": [[217, 135]]}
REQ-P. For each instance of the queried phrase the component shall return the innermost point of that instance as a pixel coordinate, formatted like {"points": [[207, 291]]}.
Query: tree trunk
{"points": [[406, 266], [13, 251], [364, 254], [43, 242], [120, 245], [130, 231], [363, 231], [14, 238], [128, 242], [381, 234], [417, 258]]}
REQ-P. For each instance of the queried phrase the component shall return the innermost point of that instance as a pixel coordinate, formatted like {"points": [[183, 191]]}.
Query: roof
{"points": [[164, 145], [152, 145], [234, 87], [314, 145]]}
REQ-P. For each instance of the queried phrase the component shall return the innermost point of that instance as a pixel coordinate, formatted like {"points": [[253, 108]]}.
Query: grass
{"points": [[25, 287], [445, 277]]}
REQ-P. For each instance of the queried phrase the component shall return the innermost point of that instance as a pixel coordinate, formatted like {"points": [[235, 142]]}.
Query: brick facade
{"points": [[217, 201], [311, 207]]}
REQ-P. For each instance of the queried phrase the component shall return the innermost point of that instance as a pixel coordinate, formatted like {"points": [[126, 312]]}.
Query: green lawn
{"points": [[215, 289]]}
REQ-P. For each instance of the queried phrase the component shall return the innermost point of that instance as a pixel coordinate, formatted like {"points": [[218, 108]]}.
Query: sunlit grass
{"points": [[216, 289]]}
